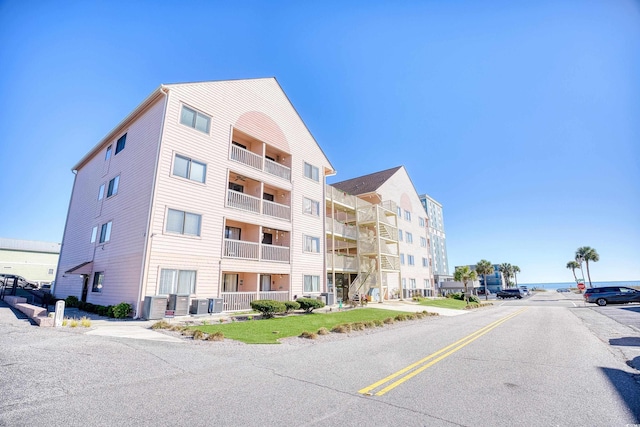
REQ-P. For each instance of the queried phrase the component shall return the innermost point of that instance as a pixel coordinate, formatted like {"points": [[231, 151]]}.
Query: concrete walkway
{"points": [[139, 330], [412, 307]]}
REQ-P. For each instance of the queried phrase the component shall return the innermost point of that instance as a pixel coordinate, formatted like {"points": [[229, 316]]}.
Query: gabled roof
{"points": [[367, 183]]}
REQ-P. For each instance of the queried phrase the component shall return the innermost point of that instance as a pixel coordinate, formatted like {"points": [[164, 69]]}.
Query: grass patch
{"points": [[268, 331], [444, 303]]}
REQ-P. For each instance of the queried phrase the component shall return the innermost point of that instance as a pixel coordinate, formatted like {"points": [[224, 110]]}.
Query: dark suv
{"points": [[611, 295], [509, 293]]}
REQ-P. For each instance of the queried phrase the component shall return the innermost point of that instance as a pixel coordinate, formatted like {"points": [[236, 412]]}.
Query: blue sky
{"points": [[521, 118]]}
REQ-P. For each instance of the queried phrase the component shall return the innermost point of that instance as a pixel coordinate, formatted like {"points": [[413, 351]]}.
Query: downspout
{"points": [[148, 241], [64, 233]]}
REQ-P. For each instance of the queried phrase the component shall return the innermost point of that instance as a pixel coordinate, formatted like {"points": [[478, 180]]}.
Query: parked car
{"points": [[7, 280], [562, 290], [509, 293], [524, 290], [611, 295], [480, 291]]}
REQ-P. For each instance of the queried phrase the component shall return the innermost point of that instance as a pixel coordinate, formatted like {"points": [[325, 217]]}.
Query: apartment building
{"points": [[389, 190], [34, 260], [196, 193], [437, 236], [363, 256]]}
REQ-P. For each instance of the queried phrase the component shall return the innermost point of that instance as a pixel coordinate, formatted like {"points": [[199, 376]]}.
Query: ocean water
{"points": [[554, 286]]}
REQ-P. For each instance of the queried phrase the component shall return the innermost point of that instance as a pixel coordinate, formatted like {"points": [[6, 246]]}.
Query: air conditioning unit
{"points": [[179, 304], [154, 307], [199, 306], [215, 305]]}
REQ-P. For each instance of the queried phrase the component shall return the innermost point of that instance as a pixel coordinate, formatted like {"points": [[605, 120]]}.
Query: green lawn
{"points": [[268, 331], [445, 303]]}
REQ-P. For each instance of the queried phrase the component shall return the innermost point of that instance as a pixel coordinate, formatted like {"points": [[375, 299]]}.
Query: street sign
{"points": [[581, 286]]}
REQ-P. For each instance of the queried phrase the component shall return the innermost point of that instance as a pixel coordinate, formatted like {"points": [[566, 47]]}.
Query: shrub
{"points": [[378, 322], [388, 320], [357, 326], [73, 323], [198, 335], [162, 324], [291, 306], [216, 336], [71, 301], [323, 331], [188, 332], [91, 308], [369, 324], [110, 311], [65, 321], [342, 329], [402, 317], [121, 310], [85, 322], [309, 304], [309, 335], [268, 307]]}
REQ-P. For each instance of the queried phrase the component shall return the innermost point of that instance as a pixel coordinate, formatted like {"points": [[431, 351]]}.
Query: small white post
{"points": [[59, 314]]}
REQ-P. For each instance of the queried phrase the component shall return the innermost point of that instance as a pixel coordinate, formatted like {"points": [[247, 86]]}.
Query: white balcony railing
{"points": [[241, 301], [255, 251], [246, 157], [240, 249], [277, 169], [276, 210], [342, 262], [275, 253], [340, 229], [238, 200], [275, 295]]}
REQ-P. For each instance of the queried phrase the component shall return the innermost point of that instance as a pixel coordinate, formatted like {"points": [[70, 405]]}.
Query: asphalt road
{"points": [[543, 360]]}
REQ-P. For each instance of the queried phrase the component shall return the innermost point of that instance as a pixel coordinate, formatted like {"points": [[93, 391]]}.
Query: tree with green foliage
{"points": [[484, 267], [515, 270], [587, 253], [572, 265], [507, 271], [465, 275]]}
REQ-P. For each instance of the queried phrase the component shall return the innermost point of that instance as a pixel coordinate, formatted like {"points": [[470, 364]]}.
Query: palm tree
{"points": [[515, 270], [484, 267], [573, 265], [464, 274], [587, 254], [507, 271]]}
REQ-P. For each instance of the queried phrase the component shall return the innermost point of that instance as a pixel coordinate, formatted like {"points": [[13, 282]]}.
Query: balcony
{"points": [[256, 161], [342, 262], [276, 210], [238, 200], [340, 229], [255, 251]]}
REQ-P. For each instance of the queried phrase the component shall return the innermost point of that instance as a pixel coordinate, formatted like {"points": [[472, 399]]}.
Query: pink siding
{"points": [[121, 258]]}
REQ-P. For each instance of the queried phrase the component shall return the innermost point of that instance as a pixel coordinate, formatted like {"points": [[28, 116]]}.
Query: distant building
{"points": [[34, 260], [393, 189], [495, 281], [437, 236]]}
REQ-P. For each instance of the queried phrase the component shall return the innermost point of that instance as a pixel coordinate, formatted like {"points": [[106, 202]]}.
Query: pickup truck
{"points": [[509, 293]]}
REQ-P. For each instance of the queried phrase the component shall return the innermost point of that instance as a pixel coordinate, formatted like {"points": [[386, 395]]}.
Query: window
{"points": [[400, 235], [311, 171], [421, 221], [411, 260], [98, 277], [194, 119], [426, 283], [425, 262], [401, 259], [407, 215], [236, 187], [230, 283], [107, 155], [232, 233], [399, 212], [269, 197], [404, 283], [412, 283], [311, 207], [113, 186], [94, 234], [101, 192], [183, 222], [181, 282], [311, 244], [105, 232], [423, 242], [311, 283], [190, 169], [409, 237], [121, 142]]}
